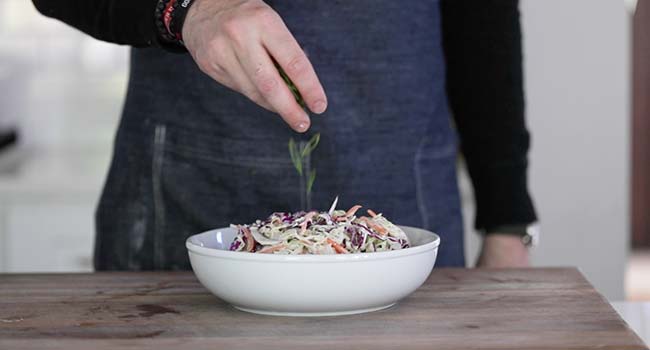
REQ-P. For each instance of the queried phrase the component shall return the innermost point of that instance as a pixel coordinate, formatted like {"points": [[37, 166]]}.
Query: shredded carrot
{"points": [[340, 218], [352, 210], [371, 213], [380, 229], [337, 247]]}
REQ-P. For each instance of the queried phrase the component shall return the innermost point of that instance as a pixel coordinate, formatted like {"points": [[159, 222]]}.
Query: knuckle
{"points": [[209, 63], [202, 61], [217, 43], [267, 84], [209, 66], [297, 65], [232, 26], [264, 16], [217, 69], [217, 56]]}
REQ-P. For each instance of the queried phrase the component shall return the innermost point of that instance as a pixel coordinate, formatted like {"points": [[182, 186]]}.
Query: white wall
{"points": [[576, 71], [63, 90]]}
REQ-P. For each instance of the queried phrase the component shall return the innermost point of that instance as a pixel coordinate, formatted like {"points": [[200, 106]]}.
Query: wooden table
{"points": [[455, 309]]}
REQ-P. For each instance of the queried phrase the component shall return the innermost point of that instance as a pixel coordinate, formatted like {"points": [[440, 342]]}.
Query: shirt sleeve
{"points": [[483, 52], [127, 22]]}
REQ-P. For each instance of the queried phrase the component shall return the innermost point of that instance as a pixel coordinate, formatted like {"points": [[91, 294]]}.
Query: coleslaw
{"points": [[331, 232]]}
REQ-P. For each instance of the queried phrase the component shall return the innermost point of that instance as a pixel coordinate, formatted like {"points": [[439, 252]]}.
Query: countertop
{"points": [[550, 308]]}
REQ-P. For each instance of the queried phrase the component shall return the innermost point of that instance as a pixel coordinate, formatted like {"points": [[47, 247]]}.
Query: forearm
{"points": [[482, 42], [127, 22]]}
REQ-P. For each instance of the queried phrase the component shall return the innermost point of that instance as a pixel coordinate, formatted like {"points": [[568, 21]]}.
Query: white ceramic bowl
{"points": [[311, 285]]}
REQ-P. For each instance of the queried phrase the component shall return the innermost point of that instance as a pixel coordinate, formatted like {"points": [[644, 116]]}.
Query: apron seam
{"points": [[158, 201], [418, 185]]}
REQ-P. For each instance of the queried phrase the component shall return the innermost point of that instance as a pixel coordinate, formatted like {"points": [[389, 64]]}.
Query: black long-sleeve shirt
{"points": [[482, 41], [482, 44]]}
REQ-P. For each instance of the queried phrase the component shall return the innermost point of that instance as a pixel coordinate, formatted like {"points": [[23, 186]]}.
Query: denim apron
{"points": [[191, 155]]}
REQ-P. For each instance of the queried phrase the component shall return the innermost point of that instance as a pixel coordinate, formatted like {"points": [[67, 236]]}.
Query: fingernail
{"points": [[302, 126], [319, 107]]}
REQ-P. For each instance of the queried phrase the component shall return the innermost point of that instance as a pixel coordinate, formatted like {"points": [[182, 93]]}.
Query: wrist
{"points": [[504, 239], [529, 233], [503, 251]]}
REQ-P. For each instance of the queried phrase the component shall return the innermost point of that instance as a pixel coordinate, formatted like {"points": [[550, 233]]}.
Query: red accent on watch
{"points": [[167, 17]]}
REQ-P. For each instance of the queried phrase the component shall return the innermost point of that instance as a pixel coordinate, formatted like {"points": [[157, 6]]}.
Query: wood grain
{"points": [[455, 309]]}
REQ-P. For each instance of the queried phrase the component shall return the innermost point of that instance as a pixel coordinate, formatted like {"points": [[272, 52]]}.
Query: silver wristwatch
{"points": [[531, 237]]}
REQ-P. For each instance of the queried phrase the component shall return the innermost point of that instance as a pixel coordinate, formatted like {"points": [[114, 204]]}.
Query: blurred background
{"points": [[585, 60]]}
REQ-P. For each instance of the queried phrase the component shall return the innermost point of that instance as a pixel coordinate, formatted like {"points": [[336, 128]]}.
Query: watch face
{"points": [[531, 238]]}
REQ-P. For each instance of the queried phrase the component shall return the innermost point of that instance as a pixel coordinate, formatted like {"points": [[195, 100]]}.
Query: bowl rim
{"points": [[227, 254]]}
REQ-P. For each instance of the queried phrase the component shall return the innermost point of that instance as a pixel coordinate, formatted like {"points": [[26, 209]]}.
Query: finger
{"points": [[266, 78], [234, 77], [282, 46], [244, 85]]}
